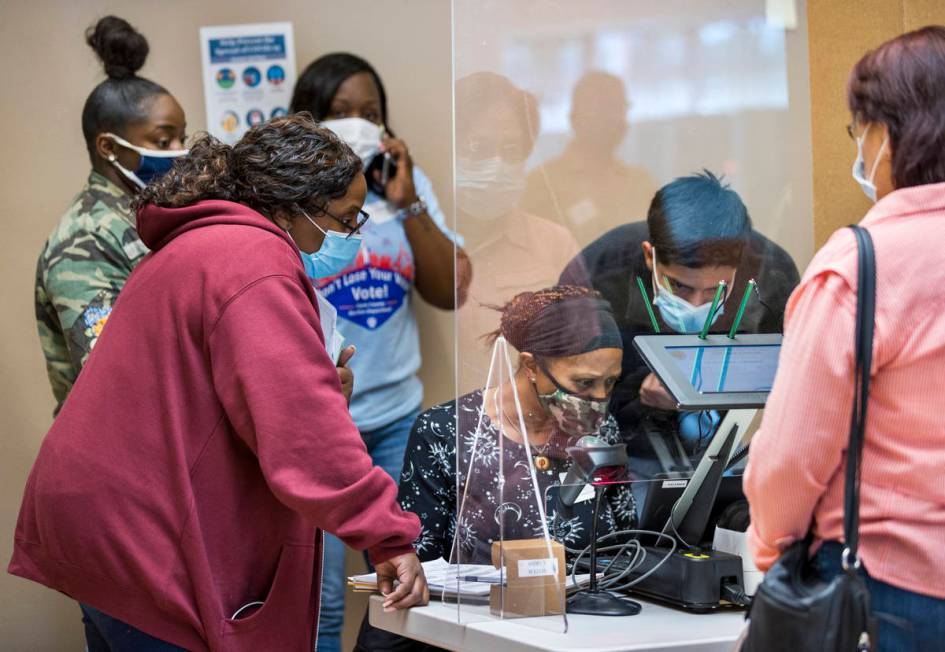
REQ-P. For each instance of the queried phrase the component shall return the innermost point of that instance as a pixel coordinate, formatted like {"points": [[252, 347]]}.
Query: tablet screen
{"points": [[722, 369]]}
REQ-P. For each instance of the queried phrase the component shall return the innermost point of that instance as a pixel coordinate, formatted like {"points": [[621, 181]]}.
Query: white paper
{"points": [[547, 567], [248, 75], [328, 316], [441, 574]]}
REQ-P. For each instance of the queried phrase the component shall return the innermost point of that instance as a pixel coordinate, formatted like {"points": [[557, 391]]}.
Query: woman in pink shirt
{"points": [[795, 476]]}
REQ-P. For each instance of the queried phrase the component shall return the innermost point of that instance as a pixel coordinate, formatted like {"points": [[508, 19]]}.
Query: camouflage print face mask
{"points": [[575, 415]]}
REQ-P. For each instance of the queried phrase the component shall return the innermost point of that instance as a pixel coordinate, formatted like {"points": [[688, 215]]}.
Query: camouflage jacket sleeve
{"points": [[82, 278]]}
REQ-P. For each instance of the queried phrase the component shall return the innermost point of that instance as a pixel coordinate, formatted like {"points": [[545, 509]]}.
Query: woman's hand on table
{"points": [[412, 588]]}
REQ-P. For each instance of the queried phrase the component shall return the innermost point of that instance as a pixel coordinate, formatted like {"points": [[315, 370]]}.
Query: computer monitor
{"points": [[715, 373]]}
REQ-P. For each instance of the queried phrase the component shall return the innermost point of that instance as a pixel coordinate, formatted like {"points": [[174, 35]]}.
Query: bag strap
{"points": [[863, 356]]}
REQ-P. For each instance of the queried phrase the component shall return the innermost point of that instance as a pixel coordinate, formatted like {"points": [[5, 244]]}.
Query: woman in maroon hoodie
{"points": [[207, 443]]}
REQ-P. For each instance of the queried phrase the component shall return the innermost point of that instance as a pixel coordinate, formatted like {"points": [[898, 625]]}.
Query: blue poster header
{"points": [[243, 48]]}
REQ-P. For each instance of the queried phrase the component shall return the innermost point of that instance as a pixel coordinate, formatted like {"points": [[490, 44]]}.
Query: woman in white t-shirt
{"points": [[406, 246]]}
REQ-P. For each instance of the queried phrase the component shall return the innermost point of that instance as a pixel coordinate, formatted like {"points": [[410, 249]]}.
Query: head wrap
{"points": [[560, 321]]}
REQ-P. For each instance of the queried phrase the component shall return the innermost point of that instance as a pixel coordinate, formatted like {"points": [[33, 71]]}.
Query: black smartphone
{"points": [[379, 171]]}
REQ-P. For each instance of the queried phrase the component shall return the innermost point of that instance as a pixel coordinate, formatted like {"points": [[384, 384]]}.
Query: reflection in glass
{"points": [[664, 141], [510, 250], [588, 188]]}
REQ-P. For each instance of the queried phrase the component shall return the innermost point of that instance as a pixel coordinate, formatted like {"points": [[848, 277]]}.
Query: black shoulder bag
{"points": [[794, 610]]}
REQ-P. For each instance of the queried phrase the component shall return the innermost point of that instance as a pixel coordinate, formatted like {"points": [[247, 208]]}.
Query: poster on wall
{"points": [[248, 75]]}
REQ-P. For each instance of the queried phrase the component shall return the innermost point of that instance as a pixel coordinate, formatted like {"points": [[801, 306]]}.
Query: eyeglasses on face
{"points": [[363, 217]]}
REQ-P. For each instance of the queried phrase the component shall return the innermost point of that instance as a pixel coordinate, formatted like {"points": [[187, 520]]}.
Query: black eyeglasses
{"points": [[362, 218]]}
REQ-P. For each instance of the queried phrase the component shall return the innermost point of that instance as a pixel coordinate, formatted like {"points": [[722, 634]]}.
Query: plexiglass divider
{"points": [[501, 519], [646, 151]]}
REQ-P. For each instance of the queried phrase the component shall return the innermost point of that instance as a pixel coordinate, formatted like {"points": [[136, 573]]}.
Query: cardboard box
{"points": [[534, 584]]}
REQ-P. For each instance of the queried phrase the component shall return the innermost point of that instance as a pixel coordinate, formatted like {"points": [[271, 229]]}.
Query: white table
{"points": [[656, 628]]}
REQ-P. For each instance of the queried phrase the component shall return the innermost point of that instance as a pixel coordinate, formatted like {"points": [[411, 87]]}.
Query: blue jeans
{"points": [[386, 445], [106, 634], [907, 621]]}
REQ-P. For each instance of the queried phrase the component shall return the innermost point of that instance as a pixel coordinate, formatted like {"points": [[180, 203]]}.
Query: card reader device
{"points": [[713, 372]]}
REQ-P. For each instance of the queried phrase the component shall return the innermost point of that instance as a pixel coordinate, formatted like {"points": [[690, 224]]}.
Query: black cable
{"points": [[779, 316], [701, 435], [735, 594], [739, 455], [671, 525], [636, 561]]}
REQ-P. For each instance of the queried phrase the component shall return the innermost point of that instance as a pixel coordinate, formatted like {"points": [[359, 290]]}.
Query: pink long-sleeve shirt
{"points": [[798, 456]]}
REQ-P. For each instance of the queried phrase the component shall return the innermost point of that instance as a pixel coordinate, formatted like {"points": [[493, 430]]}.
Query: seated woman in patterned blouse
{"points": [[569, 360]]}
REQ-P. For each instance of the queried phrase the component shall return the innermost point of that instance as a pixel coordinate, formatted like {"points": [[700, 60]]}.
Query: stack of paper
{"points": [[465, 580], [328, 315], [455, 579]]}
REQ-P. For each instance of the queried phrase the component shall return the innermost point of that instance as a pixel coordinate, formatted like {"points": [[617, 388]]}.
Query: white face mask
{"points": [[489, 188], [362, 136], [679, 314], [859, 166]]}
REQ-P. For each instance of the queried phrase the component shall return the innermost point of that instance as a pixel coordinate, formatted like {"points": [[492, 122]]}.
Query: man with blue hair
{"points": [[697, 232]]}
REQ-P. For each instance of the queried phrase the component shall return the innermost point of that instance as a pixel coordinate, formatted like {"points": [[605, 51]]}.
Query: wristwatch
{"points": [[419, 207]]}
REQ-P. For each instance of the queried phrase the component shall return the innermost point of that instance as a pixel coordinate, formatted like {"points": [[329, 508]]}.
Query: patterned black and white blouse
{"points": [[428, 487]]}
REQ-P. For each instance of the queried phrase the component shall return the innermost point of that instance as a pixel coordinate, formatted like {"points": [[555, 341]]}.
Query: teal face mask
{"points": [[334, 256], [682, 316]]}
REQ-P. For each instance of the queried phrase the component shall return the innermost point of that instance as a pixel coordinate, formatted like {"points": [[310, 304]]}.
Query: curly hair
{"points": [[276, 166]]}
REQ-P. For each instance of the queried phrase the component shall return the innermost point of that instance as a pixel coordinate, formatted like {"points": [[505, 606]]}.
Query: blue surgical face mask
{"points": [[334, 256], [859, 166], [679, 314], [153, 163]]}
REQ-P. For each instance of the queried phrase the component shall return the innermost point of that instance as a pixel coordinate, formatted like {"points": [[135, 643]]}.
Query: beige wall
{"points": [[839, 33], [49, 72]]}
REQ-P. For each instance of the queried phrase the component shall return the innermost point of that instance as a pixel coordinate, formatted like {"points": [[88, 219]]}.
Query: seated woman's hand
{"points": [[654, 394]]}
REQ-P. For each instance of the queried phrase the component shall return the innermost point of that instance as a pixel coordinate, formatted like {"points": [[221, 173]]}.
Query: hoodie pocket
{"points": [[284, 621]]}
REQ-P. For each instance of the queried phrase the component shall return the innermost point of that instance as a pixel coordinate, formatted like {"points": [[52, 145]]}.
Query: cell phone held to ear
{"points": [[379, 171]]}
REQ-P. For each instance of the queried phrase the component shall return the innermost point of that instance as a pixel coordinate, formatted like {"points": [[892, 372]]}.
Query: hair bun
{"points": [[120, 46]]}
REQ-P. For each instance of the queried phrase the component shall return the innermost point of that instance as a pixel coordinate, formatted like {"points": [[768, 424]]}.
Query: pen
{"points": [[646, 302], [715, 306], [741, 309]]}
